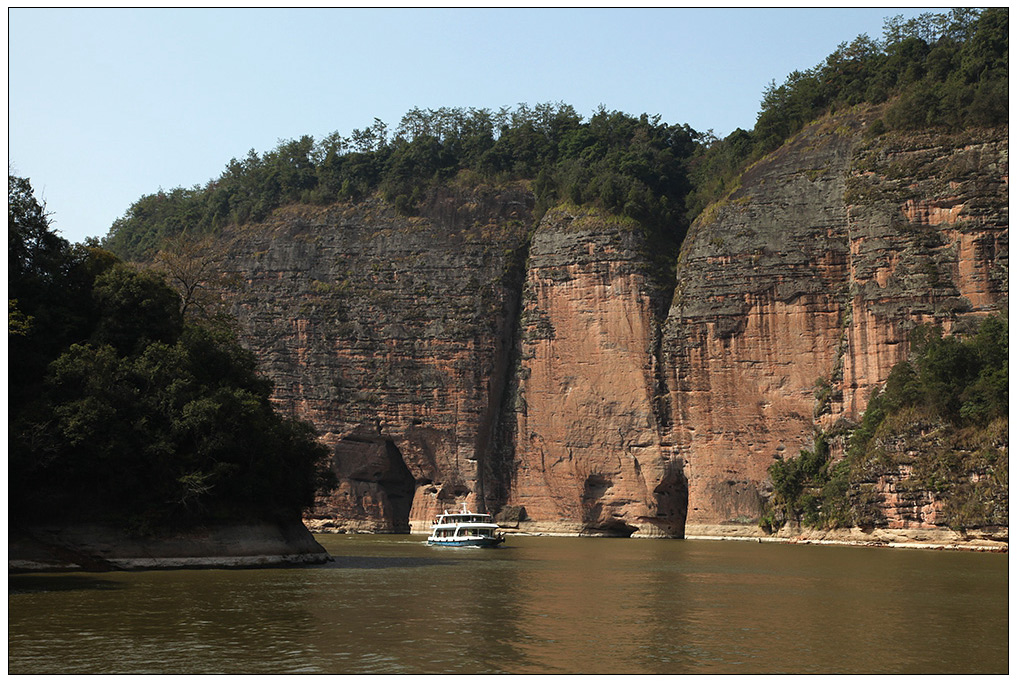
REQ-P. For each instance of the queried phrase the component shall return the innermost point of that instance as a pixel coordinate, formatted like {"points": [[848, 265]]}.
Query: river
{"points": [[391, 604]]}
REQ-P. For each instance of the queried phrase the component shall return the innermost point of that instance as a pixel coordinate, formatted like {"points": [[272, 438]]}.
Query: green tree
{"points": [[135, 309], [129, 414]]}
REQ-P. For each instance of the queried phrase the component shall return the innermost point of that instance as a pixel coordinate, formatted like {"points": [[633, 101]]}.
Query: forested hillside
{"points": [[634, 166], [945, 70]]}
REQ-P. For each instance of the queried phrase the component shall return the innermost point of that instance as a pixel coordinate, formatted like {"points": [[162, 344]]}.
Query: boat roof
{"points": [[463, 512]]}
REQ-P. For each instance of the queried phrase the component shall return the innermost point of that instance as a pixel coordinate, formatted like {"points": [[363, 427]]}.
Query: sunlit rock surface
{"points": [[592, 446], [796, 293], [476, 354], [391, 334]]}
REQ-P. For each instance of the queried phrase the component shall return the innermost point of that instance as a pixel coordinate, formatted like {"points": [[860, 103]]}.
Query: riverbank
{"points": [[994, 540], [98, 548]]}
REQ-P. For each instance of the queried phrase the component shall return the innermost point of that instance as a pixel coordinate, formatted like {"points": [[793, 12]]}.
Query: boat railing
{"points": [[459, 518]]}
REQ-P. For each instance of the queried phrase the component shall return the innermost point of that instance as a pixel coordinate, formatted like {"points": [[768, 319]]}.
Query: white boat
{"points": [[464, 529]]}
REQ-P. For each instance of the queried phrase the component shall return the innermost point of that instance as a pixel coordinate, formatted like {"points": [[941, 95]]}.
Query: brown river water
{"points": [[550, 605]]}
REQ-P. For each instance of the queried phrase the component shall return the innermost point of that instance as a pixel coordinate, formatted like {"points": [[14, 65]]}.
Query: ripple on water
{"points": [[545, 605]]}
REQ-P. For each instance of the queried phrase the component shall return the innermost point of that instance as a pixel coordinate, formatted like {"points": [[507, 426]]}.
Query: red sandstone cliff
{"points": [[469, 354], [593, 455], [391, 335], [795, 294]]}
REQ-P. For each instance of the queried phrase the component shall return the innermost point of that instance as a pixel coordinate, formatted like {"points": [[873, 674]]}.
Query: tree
{"points": [[192, 267], [34, 251], [135, 309], [48, 296], [123, 412]]}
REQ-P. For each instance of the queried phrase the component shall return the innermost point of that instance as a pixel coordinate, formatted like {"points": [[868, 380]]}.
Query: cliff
{"points": [[537, 370], [796, 293], [392, 335], [593, 450]]}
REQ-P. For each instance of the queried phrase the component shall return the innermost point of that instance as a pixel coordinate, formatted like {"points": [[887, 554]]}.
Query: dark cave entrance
{"points": [[672, 495], [399, 485], [381, 484]]}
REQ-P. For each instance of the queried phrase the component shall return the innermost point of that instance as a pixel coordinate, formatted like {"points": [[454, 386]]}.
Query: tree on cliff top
{"points": [[948, 71], [631, 166], [937, 70], [123, 412]]}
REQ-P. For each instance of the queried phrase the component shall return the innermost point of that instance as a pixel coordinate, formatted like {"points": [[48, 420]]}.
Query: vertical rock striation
{"points": [[756, 319], [468, 355], [928, 235], [593, 455], [391, 335], [796, 293]]}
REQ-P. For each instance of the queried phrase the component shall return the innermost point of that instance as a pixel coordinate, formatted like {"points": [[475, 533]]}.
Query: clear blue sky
{"points": [[107, 105]]}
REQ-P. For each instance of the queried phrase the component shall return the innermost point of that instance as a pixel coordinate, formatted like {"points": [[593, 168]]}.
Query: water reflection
{"points": [[31, 584], [373, 563], [419, 609], [391, 604]]}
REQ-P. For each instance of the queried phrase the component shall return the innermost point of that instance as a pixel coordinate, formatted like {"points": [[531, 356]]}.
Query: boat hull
{"points": [[484, 543]]}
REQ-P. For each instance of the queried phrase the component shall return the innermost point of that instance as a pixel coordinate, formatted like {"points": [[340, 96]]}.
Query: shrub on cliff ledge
{"points": [[799, 488], [938, 429], [942, 418], [962, 381]]}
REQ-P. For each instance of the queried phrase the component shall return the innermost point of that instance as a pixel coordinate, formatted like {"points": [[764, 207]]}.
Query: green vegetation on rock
{"points": [[938, 70], [947, 71], [938, 427], [630, 166]]}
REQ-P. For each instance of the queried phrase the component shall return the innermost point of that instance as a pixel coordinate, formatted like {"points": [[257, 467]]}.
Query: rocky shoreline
{"points": [[996, 540], [988, 540], [99, 548]]}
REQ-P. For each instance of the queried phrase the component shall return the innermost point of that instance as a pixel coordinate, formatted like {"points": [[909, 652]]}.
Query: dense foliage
{"points": [[631, 166], [937, 70], [946, 70], [943, 414], [120, 411]]}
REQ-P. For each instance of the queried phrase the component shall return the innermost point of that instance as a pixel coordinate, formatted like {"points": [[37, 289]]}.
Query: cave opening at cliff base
{"points": [[376, 467]]}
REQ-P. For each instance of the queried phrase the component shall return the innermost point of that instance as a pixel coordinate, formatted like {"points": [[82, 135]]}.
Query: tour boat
{"points": [[464, 529]]}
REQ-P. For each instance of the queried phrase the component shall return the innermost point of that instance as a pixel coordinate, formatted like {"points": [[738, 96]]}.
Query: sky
{"points": [[108, 105]]}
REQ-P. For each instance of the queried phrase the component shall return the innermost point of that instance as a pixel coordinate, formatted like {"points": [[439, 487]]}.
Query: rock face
{"points": [[756, 320], [928, 236], [795, 295], [392, 336], [593, 449], [534, 370]]}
